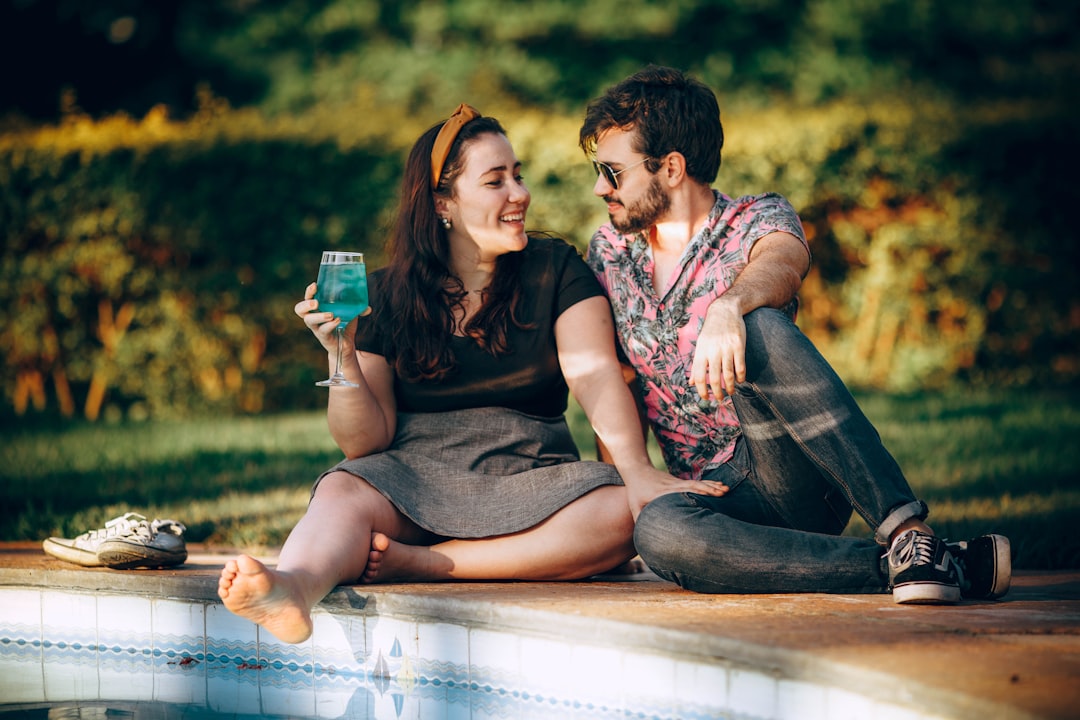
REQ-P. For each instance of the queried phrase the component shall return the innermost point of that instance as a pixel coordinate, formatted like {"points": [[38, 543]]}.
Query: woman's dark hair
{"points": [[670, 111], [419, 290]]}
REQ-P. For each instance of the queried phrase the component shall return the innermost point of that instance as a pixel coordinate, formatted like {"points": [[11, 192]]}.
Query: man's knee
{"points": [[682, 542], [768, 324], [774, 343], [660, 533]]}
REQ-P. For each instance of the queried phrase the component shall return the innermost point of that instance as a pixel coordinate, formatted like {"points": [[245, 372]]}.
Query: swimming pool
{"points": [[96, 652], [121, 652]]}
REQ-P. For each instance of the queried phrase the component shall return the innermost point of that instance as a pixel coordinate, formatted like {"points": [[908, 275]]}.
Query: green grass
{"points": [[238, 482], [1005, 462], [985, 462]]}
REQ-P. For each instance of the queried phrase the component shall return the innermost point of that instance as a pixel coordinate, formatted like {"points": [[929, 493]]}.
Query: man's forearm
{"points": [[772, 277]]}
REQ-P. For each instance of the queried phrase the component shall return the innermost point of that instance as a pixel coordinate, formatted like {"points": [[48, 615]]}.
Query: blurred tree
{"points": [[288, 55]]}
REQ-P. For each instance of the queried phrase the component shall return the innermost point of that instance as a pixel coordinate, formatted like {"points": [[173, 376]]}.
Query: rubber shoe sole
{"points": [[65, 549], [926, 594], [120, 554]]}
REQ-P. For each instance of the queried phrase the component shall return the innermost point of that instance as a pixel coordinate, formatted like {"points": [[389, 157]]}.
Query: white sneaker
{"points": [[157, 544], [127, 541], [83, 549]]}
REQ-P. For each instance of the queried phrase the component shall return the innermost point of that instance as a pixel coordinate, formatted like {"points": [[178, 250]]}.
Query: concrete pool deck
{"points": [[1018, 657]]}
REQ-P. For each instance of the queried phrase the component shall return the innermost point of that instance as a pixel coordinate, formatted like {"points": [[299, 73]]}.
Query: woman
{"points": [[459, 464]]}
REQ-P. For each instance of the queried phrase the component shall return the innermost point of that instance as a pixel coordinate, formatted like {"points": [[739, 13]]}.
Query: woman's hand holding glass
{"points": [[323, 325], [331, 304]]}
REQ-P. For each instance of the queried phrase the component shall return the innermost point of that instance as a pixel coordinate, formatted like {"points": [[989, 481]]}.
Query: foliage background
{"points": [[170, 170]]}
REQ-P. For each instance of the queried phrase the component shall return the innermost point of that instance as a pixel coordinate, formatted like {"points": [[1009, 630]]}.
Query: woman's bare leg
{"points": [[591, 535], [328, 546]]}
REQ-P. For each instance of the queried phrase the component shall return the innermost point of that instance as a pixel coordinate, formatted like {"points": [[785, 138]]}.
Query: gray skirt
{"points": [[479, 472]]}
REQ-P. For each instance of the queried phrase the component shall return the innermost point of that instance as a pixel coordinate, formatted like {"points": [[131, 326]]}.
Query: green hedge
{"points": [[164, 271], [149, 267], [941, 252]]}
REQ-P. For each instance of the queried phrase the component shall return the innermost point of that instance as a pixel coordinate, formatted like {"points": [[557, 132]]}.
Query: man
{"points": [[703, 289]]}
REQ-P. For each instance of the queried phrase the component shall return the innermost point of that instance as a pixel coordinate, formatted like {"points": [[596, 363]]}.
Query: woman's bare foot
{"points": [[390, 561], [257, 593]]}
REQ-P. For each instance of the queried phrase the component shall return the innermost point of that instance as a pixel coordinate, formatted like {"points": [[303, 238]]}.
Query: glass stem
{"points": [[340, 336]]}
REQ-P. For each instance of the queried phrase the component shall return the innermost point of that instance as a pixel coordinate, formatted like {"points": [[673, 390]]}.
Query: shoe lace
{"points": [[172, 527], [922, 549], [918, 550], [127, 524]]}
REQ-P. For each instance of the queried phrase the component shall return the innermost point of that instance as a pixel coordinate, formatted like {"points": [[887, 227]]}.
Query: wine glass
{"points": [[341, 290]]}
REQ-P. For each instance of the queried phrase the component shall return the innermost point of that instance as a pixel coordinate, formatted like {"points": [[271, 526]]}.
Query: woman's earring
{"points": [[446, 223]]}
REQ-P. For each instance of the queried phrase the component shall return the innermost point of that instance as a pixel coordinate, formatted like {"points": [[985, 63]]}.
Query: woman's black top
{"points": [[528, 379]]}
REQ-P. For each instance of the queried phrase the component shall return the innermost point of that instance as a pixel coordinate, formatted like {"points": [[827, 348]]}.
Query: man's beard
{"points": [[643, 214]]}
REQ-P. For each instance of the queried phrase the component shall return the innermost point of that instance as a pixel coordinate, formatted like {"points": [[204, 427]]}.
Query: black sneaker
{"points": [[985, 566], [922, 570]]}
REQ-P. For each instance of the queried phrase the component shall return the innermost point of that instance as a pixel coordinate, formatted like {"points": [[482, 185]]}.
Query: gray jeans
{"points": [[807, 456]]}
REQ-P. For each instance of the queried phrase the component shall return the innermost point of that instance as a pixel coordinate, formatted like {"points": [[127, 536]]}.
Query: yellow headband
{"points": [[446, 137]]}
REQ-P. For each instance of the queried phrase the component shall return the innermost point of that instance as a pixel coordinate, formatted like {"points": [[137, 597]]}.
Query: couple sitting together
{"points": [[459, 462]]}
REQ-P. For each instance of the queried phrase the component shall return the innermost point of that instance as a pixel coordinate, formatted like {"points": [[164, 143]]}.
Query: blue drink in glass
{"points": [[341, 289]]}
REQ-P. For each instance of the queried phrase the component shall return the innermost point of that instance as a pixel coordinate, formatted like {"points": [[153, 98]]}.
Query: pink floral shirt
{"points": [[658, 334]]}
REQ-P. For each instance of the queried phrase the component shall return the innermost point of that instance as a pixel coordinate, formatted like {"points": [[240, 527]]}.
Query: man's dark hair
{"points": [[670, 111]]}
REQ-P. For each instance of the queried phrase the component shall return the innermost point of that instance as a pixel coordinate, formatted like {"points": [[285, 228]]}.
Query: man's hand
{"points": [[772, 276], [645, 484], [720, 357]]}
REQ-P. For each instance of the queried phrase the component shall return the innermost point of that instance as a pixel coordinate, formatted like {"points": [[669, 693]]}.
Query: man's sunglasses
{"points": [[612, 176]]}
